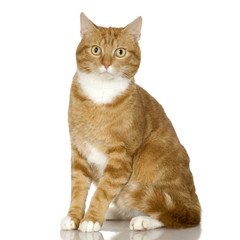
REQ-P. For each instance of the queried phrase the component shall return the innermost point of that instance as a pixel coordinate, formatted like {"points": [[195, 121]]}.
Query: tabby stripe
{"points": [[112, 184], [116, 173], [119, 165], [76, 166], [106, 194], [80, 50], [118, 149], [135, 55]]}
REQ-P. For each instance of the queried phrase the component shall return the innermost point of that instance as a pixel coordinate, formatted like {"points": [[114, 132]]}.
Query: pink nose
{"points": [[106, 64]]}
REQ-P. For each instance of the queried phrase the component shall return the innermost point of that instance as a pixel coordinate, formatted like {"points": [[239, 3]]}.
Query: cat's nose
{"points": [[106, 64]]}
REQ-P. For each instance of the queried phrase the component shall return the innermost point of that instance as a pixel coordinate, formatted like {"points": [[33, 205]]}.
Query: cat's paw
{"points": [[69, 223], [89, 226], [144, 223]]}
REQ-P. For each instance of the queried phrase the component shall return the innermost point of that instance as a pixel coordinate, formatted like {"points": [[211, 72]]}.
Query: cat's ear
{"points": [[134, 28], [86, 25]]}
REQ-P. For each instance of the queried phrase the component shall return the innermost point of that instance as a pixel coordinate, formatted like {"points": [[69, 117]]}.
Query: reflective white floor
{"points": [[119, 230]]}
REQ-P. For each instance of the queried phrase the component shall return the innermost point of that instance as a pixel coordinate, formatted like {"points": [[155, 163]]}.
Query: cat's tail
{"points": [[173, 207]]}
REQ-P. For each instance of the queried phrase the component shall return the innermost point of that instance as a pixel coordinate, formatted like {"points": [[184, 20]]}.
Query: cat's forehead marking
{"points": [[110, 35]]}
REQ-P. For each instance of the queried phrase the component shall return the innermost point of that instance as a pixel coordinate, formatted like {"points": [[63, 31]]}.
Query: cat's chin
{"points": [[107, 75]]}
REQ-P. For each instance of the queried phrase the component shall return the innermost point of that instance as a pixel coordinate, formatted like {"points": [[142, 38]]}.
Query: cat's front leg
{"points": [[80, 183], [115, 176]]}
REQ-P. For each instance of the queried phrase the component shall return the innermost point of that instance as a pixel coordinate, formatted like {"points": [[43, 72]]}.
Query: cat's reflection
{"points": [[126, 234], [77, 235]]}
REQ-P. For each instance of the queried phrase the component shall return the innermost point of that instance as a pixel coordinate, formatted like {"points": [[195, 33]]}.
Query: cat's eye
{"points": [[120, 52], [96, 50]]}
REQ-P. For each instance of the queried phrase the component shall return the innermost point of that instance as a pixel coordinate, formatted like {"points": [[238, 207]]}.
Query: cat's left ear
{"points": [[134, 28]]}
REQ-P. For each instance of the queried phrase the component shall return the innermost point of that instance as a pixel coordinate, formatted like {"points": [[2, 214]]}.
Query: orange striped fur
{"points": [[147, 168]]}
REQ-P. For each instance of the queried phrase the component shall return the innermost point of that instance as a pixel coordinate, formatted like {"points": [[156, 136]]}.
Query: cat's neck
{"points": [[100, 89]]}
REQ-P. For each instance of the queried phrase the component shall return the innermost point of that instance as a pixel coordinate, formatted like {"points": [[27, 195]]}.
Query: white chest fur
{"points": [[95, 157], [101, 90]]}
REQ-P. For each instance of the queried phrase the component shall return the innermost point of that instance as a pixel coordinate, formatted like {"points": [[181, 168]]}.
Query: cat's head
{"points": [[109, 52]]}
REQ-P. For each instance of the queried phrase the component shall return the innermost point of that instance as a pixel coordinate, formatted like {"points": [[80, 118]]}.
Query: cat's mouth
{"points": [[106, 73]]}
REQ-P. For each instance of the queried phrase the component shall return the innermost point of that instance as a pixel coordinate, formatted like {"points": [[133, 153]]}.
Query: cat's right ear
{"points": [[86, 25]]}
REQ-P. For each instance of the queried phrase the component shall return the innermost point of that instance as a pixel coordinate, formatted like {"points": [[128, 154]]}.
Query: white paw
{"points": [[144, 223], [89, 226], [67, 223]]}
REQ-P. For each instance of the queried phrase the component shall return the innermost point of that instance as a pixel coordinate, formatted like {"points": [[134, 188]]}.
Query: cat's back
{"points": [[154, 112], [148, 101]]}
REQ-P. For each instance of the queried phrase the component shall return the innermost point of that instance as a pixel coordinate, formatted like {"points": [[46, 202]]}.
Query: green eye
{"points": [[120, 52], [96, 50]]}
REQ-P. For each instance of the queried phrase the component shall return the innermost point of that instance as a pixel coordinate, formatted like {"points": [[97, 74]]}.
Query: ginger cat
{"points": [[122, 140]]}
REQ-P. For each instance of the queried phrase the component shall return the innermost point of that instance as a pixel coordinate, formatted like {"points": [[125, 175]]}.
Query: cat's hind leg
{"points": [[139, 219], [167, 207]]}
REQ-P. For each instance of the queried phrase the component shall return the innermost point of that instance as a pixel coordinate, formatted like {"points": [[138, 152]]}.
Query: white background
{"points": [[190, 64]]}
